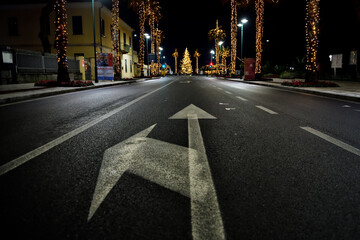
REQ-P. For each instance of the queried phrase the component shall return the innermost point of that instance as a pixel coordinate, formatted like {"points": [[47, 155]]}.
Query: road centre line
{"points": [[40, 150], [228, 92], [267, 110], [332, 140], [242, 99]]}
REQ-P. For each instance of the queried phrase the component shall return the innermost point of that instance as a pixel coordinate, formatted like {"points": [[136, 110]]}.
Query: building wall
{"points": [[28, 17], [81, 44]]}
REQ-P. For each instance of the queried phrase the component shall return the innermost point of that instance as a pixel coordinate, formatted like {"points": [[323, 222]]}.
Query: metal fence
{"points": [[37, 62]]}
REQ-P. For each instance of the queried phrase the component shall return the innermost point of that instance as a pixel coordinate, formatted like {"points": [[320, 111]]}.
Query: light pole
{"points": [[212, 52], [147, 37], [243, 22], [95, 65], [220, 45]]}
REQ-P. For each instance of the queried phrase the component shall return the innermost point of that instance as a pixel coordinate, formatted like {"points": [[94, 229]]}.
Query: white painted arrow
{"points": [[159, 162], [205, 213]]}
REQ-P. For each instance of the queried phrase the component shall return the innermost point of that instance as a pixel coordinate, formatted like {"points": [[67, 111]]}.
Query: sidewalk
{"points": [[348, 90], [11, 93]]}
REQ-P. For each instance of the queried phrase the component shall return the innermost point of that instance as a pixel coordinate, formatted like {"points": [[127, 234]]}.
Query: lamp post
{"points": [[93, 13], [147, 37], [243, 22], [212, 52], [220, 45]]}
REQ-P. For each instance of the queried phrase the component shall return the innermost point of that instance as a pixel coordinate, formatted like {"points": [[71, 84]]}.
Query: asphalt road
{"points": [[180, 158]]}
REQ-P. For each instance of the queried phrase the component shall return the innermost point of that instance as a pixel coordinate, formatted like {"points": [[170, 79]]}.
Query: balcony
{"points": [[125, 48]]}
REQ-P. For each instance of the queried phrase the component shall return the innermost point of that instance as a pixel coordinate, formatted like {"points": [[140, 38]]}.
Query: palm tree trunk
{"points": [[61, 40], [312, 39], [233, 36], [142, 36], [259, 4]]}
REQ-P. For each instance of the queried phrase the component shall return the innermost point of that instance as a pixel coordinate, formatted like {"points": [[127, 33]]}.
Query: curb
{"points": [[47, 94], [324, 94]]}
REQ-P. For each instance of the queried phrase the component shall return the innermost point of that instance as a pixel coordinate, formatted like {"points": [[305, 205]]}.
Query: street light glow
{"points": [[240, 25], [221, 43], [212, 52], [147, 35], [244, 20], [161, 48]]}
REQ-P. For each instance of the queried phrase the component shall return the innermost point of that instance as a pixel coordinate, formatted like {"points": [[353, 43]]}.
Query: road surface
{"points": [[180, 158]]}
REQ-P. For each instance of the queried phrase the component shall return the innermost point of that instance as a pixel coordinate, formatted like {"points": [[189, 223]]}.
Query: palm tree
{"points": [[312, 38], [259, 7], [217, 34], [233, 26], [140, 7], [115, 36], [154, 15], [175, 55], [61, 40], [225, 53], [159, 36], [197, 55]]}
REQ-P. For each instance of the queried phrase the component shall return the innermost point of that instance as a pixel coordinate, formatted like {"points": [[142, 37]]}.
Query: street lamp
{"points": [[243, 22], [147, 37], [220, 45], [212, 52]]}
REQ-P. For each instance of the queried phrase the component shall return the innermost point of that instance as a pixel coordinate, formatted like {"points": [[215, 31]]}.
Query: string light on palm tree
{"points": [[225, 53], [312, 37], [217, 34], [115, 36], [61, 40], [196, 56], [176, 55], [140, 7], [259, 7]]}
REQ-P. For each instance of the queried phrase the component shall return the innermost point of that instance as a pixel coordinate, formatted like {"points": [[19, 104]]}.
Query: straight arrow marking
{"points": [[205, 212], [206, 218]]}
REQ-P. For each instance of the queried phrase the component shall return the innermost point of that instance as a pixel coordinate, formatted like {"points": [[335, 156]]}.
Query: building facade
{"points": [[31, 27]]}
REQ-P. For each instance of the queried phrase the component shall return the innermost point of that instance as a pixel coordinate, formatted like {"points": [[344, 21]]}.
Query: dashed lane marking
{"points": [[332, 140], [267, 110], [228, 92], [242, 99]]}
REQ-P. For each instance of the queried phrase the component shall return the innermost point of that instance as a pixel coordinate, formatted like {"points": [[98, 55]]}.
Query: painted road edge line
{"points": [[40, 150], [332, 140], [267, 110]]}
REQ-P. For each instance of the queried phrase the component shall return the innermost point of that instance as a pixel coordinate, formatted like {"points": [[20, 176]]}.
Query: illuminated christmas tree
{"points": [[186, 67], [61, 40]]}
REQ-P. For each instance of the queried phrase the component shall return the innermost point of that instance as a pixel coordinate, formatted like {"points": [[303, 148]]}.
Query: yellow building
{"points": [[22, 27]]}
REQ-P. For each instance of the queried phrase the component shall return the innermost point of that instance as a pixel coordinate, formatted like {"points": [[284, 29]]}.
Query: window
{"points": [[13, 26], [102, 27], [131, 66], [126, 65], [130, 41], [124, 39], [77, 25]]}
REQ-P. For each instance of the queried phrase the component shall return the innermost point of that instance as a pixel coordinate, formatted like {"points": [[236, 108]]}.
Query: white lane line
{"points": [[229, 109], [219, 88], [224, 104], [346, 106], [228, 92], [267, 110], [332, 140], [242, 99], [40, 150]]}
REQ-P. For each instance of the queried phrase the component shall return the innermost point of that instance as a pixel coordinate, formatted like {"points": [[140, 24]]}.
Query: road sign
{"points": [[336, 61], [180, 169]]}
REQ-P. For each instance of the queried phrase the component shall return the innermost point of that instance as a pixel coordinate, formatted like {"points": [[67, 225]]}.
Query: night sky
{"points": [[186, 23]]}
